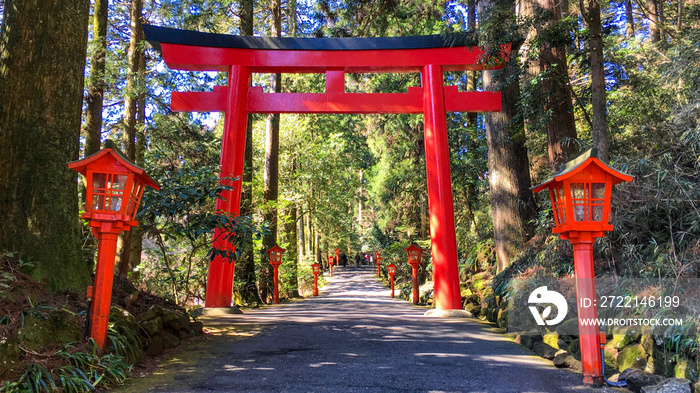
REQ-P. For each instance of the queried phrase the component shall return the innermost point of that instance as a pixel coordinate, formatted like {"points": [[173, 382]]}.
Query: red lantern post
{"points": [[276, 260], [414, 256], [331, 261], [580, 194], [391, 268], [315, 269], [379, 267], [114, 189]]}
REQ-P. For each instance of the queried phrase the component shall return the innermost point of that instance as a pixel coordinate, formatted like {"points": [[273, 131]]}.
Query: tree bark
{"points": [[598, 95], [96, 83], [290, 231], [133, 90], [654, 29], [271, 174], [629, 18], [561, 124], [512, 203], [43, 49], [471, 75]]}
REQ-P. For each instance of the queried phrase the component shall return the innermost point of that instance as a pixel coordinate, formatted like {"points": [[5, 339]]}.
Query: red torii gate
{"points": [[241, 56]]}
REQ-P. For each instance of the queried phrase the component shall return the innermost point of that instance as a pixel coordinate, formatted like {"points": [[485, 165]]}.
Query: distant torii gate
{"points": [[242, 55]]}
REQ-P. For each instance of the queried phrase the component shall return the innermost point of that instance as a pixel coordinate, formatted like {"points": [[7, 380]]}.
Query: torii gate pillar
{"points": [[220, 274], [440, 204]]}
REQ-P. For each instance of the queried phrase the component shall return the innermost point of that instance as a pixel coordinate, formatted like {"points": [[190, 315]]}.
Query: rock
{"points": [[154, 312], [59, 327], [215, 311], [632, 356], [647, 343], [473, 308], [637, 379], [197, 328], [502, 318], [563, 359], [154, 346], [175, 320], [671, 385], [170, 340], [435, 313], [575, 348], [152, 326], [123, 318], [610, 358], [551, 339], [696, 387], [544, 350], [681, 368], [568, 330], [528, 340], [664, 362]]}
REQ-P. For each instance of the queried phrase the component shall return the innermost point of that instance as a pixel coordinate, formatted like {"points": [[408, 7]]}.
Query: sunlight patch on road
{"points": [[316, 365], [515, 359], [443, 355]]}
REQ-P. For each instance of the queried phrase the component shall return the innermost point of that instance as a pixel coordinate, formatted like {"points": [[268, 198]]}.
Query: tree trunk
{"points": [[290, 231], [133, 87], [271, 174], [43, 49], [512, 203], [136, 244], [629, 17], [472, 117], [654, 29], [245, 267], [301, 234], [96, 83], [598, 96], [561, 124]]}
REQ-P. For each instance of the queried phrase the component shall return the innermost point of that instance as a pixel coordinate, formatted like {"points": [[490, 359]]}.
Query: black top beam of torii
{"points": [[157, 35]]}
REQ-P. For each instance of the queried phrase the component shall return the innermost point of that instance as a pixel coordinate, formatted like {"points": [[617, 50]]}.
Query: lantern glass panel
{"points": [[579, 197], [108, 191], [597, 200], [413, 255]]}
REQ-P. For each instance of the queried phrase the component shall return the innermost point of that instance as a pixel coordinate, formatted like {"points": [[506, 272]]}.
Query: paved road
{"points": [[354, 338]]}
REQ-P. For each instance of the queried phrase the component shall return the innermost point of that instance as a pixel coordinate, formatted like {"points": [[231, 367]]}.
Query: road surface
{"points": [[354, 338]]}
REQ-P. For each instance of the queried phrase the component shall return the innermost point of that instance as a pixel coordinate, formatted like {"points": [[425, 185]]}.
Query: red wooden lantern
{"points": [[391, 269], [414, 257], [315, 269], [276, 260], [331, 262], [379, 266], [580, 194], [114, 189]]}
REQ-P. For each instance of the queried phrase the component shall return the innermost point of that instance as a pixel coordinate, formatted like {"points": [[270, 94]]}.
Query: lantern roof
{"points": [[111, 153], [276, 248], [413, 247], [580, 163]]}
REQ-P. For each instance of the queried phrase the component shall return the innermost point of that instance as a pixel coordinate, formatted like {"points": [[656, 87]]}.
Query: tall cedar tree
{"points": [[245, 267], [598, 96], [512, 203], [96, 83], [271, 173], [134, 78], [560, 124], [42, 62]]}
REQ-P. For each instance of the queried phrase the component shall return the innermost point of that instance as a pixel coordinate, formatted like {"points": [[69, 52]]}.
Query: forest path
{"points": [[354, 338]]}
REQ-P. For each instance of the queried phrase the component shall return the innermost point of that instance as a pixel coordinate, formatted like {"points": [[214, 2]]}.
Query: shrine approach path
{"points": [[353, 338]]}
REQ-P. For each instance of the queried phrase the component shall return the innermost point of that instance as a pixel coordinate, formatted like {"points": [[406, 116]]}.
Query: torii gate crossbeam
{"points": [[241, 56]]}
